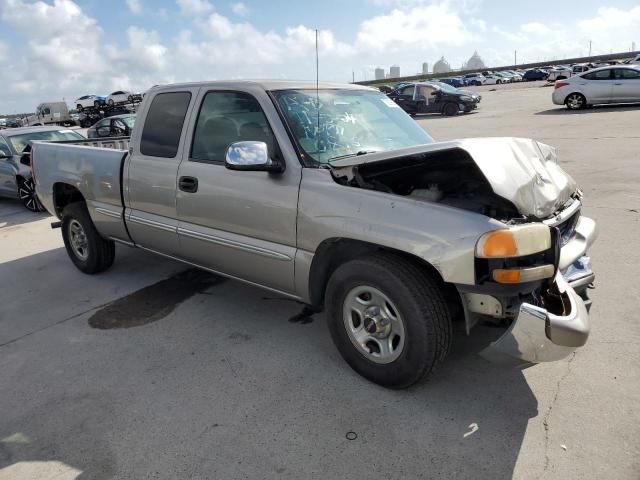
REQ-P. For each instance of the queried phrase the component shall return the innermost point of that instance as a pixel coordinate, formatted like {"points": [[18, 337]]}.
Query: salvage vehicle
{"points": [[331, 195], [116, 126], [429, 97], [15, 174], [89, 101], [619, 84], [123, 96]]}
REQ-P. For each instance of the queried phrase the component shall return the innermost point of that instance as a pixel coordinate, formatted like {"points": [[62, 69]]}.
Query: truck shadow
{"points": [[226, 383]]}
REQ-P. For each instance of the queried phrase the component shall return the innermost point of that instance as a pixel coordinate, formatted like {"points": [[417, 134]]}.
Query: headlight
{"points": [[466, 98], [514, 242]]}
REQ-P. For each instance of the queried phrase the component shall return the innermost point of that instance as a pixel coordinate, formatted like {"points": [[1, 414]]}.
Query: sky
{"points": [[63, 49]]}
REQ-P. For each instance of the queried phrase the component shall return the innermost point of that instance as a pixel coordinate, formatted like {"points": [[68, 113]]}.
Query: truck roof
{"points": [[266, 85]]}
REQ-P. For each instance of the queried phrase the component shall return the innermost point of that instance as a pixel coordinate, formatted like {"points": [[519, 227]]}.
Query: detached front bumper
{"points": [[538, 335]]}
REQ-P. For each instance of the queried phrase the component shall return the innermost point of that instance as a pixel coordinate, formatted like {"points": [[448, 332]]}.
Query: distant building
{"points": [[379, 72], [394, 72], [425, 68], [441, 66], [475, 63]]}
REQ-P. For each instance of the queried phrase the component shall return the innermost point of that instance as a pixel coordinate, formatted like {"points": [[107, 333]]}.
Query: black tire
{"points": [[498, 82], [79, 107], [575, 101], [96, 104], [130, 98], [98, 252], [27, 195], [450, 109], [420, 304], [111, 102]]}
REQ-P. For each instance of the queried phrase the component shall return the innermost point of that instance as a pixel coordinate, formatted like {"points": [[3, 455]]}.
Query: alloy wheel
{"points": [[27, 195], [78, 240]]}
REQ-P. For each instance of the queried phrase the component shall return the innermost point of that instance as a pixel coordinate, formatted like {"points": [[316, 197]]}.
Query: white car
{"points": [[492, 79], [559, 73], [612, 84], [88, 101], [635, 61], [476, 79], [123, 96]]}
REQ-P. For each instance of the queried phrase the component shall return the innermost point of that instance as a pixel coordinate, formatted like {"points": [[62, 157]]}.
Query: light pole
{"points": [[515, 57], [589, 48]]}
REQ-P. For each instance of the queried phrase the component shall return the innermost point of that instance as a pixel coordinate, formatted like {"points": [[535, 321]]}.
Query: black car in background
{"points": [[433, 97], [116, 126]]}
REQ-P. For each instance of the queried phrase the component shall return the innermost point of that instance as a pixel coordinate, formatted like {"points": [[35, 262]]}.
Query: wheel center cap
{"points": [[376, 323]]}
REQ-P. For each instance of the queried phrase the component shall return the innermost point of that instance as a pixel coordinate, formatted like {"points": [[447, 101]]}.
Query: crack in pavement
{"points": [[46, 327], [545, 420]]}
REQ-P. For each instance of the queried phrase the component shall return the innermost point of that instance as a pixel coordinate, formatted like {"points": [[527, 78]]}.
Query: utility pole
{"points": [[589, 48], [515, 57], [353, 76]]}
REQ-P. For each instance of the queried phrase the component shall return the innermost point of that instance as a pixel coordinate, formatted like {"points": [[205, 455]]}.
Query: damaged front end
{"points": [[534, 275]]}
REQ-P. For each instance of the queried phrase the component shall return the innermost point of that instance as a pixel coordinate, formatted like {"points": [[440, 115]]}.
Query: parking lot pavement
{"points": [[130, 375]]}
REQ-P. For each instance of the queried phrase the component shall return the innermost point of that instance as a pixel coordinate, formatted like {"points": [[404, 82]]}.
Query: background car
{"points": [[428, 97], [15, 171], [535, 74], [617, 84], [493, 79], [476, 79], [559, 73], [116, 126], [456, 82], [89, 101], [449, 89], [123, 96]]}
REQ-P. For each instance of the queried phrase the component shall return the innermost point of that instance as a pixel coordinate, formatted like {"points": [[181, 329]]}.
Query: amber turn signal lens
{"points": [[523, 275], [506, 276], [500, 244]]}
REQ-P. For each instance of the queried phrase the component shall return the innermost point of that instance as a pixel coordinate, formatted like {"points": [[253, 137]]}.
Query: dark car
{"points": [[116, 126], [15, 171], [385, 89], [456, 82], [535, 74], [430, 97]]}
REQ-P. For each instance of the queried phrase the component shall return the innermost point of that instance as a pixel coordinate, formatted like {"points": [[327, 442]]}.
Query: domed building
{"points": [[441, 66], [475, 63]]}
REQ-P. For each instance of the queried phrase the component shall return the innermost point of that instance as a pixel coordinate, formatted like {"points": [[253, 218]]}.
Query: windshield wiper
{"points": [[356, 154]]}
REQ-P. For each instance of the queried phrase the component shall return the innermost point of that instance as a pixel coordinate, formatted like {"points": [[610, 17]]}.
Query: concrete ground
{"points": [[130, 374]]}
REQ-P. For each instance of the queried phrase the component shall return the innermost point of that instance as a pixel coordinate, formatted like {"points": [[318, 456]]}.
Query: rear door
{"points": [[405, 98], [626, 85], [239, 223], [597, 86], [152, 169]]}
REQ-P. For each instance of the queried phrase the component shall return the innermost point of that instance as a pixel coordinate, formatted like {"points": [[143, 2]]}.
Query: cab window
{"points": [[226, 118], [163, 124]]}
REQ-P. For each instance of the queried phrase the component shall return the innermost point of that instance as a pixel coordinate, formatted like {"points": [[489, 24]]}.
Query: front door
{"points": [[239, 223], [7, 171], [153, 169], [626, 85]]}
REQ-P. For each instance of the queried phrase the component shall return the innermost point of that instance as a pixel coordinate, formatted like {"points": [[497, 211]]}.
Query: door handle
{"points": [[188, 184], [617, 84]]}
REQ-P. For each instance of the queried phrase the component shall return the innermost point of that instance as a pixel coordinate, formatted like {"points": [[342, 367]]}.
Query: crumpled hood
{"points": [[520, 170]]}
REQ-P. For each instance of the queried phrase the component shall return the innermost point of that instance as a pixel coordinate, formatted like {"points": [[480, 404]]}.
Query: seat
{"points": [[253, 131], [213, 139]]}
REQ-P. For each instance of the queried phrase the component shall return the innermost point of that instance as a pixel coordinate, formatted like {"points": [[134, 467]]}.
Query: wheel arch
{"points": [[334, 252], [63, 195]]}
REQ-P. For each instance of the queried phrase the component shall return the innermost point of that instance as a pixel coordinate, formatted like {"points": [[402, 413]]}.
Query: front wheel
{"points": [[27, 195], [110, 102], [575, 101], [450, 109], [388, 319], [79, 107], [89, 252]]}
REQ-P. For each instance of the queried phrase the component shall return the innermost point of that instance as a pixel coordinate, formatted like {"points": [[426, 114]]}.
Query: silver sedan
{"points": [[613, 84]]}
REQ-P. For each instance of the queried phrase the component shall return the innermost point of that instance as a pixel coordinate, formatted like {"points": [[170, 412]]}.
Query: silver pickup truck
{"points": [[338, 199]]}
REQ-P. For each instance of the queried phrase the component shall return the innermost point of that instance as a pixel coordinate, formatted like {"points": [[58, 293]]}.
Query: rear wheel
{"points": [[575, 101], [450, 109], [388, 319], [89, 252], [79, 107]]}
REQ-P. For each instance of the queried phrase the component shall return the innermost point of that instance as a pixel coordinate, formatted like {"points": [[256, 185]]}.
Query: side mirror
{"points": [[103, 131], [250, 156]]}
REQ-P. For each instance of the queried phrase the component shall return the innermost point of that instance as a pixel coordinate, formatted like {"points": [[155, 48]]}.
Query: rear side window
{"points": [[599, 75], [163, 125], [627, 74]]}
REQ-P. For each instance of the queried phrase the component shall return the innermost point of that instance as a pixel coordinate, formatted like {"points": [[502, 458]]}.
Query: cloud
{"points": [[536, 28], [195, 7], [135, 6], [240, 9]]}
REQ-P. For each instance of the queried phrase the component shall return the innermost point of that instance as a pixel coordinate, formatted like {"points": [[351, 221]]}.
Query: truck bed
{"points": [[94, 168]]}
